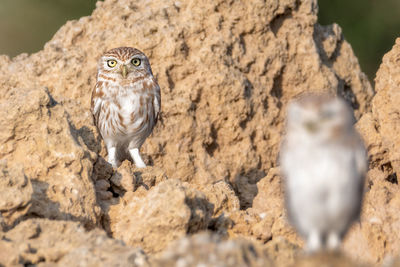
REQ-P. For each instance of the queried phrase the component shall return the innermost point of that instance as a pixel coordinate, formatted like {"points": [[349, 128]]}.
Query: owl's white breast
{"points": [[131, 110], [322, 184]]}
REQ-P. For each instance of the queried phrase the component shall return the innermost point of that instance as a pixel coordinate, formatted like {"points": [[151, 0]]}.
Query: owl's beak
{"points": [[311, 126], [124, 71]]}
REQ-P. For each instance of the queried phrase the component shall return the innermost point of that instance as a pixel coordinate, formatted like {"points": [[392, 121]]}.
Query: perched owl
{"points": [[125, 103], [323, 162]]}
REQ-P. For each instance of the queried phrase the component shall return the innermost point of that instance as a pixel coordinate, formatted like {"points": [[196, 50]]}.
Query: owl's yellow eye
{"points": [[136, 61], [111, 63]]}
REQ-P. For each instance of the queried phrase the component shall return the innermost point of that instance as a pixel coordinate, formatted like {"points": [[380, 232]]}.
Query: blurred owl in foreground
{"points": [[125, 103], [323, 162]]}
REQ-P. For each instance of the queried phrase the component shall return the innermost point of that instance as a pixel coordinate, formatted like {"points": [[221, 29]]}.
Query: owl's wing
{"points": [[157, 102], [284, 162], [361, 157], [361, 162], [95, 104], [281, 159]]}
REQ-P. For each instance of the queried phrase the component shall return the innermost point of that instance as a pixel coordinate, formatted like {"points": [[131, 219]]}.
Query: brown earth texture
{"points": [[211, 195]]}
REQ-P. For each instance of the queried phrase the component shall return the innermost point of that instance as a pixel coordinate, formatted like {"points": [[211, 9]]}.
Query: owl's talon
{"points": [[333, 241], [313, 242], [137, 158], [114, 166], [112, 156]]}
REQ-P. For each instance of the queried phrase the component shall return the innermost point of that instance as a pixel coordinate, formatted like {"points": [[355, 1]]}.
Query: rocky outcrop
{"points": [[16, 194], [385, 105], [64, 243], [38, 135], [378, 238], [169, 211], [210, 250], [227, 70]]}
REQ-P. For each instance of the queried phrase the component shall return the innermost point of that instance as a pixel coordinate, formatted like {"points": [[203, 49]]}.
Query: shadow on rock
{"points": [[43, 207], [245, 186]]}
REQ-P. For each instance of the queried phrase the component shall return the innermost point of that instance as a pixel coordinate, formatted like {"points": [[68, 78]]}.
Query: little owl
{"points": [[323, 162], [125, 103]]}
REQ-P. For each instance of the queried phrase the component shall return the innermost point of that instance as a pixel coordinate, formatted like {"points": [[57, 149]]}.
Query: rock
{"points": [[246, 190], [385, 106], [283, 252], [124, 179], [241, 61], [334, 259], [102, 189], [391, 261], [102, 170], [269, 208], [225, 202], [269, 200], [205, 249], [222, 196], [266, 221], [376, 236], [128, 178], [62, 243], [243, 222], [39, 135], [16, 194], [111, 189], [368, 127], [167, 212]]}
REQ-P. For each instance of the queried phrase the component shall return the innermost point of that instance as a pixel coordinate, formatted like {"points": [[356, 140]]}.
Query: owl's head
{"points": [[124, 63], [319, 117]]}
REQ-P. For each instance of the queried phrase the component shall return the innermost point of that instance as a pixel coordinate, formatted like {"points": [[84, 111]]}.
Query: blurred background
{"points": [[26, 25], [371, 26]]}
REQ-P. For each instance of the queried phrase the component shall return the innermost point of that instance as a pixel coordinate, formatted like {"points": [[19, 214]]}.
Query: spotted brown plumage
{"points": [[125, 102]]}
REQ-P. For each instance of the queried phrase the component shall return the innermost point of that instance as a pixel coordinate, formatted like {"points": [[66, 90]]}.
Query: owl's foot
{"points": [[114, 165], [333, 241], [314, 242], [136, 158], [112, 159]]}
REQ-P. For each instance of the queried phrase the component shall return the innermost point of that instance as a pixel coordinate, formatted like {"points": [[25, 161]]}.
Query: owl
{"points": [[323, 162], [125, 103]]}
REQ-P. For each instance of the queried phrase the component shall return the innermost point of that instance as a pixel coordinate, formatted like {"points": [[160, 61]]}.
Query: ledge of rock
{"points": [[37, 133], [378, 237], [206, 249], [16, 194], [170, 210], [64, 243]]}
